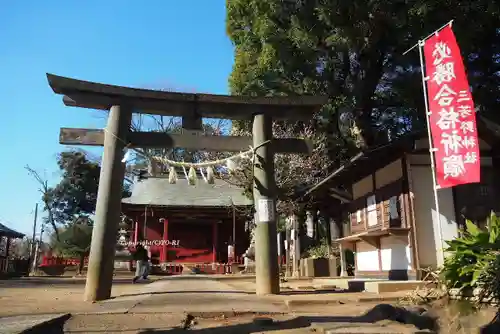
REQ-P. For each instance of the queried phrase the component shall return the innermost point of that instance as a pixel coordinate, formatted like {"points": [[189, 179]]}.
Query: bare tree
{"points": [[44, 189], [292, 171]]}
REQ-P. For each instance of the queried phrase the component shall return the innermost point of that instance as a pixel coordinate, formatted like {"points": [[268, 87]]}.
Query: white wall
{"points": [[395, 253], [366, 257], [426, 219]]}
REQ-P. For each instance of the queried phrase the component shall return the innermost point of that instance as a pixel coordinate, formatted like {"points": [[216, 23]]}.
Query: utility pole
{"points": [[32, 246], [38, 245], [266, 260]]}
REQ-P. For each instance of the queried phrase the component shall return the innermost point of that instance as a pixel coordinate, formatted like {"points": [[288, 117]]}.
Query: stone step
{"points": [[365, 328]]}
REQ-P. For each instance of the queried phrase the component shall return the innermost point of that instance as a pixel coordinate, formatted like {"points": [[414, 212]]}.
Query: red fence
{"points": [[170, 268]]}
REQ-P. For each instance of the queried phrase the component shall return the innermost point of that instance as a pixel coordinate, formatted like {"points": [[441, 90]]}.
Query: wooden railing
{"points": [[14, 267]]}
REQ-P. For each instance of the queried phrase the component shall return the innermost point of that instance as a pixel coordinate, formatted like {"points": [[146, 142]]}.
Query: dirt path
{"points": [[52, 295]]}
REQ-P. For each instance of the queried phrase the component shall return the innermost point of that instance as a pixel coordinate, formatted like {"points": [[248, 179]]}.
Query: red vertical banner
{"points": [[452, 115]]}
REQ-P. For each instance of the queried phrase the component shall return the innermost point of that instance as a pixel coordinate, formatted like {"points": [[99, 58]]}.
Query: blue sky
{"points": [[174, 44]]}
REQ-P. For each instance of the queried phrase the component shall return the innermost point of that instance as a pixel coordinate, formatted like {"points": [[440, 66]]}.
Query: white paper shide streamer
{"points": [[206, 169], [127, 155], [172, 175]]}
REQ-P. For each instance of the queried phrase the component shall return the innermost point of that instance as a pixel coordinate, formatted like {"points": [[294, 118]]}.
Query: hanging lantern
{"points": [[172, 175], [210, 175], [192, 176]]}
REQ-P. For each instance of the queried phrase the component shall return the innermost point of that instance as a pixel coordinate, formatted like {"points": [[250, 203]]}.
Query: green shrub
{"points": [[472, 255], [489, 278], [319, 251]]}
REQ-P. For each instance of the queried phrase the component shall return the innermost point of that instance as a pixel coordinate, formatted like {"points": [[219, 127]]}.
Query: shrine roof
{"points": [[157, 191], [8, 232], [86, 94], [372, 159]]}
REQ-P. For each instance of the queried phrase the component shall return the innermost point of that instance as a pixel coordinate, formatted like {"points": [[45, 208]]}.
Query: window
{"points": [[371, 208]]}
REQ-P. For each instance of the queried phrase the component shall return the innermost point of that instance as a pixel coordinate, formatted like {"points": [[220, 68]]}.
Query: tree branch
{"points": [[45, 191]]}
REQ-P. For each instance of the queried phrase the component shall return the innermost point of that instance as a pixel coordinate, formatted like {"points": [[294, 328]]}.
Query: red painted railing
{"points": [[170, 268]]}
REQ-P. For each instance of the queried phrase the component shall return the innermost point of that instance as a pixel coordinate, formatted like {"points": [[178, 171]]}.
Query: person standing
{"points": [[141, 262]]}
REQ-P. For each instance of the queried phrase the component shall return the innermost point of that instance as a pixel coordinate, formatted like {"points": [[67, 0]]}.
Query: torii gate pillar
{"points": [[264, 195], [108, 208]]}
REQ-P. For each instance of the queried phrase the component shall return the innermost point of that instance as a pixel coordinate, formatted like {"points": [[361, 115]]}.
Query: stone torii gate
{"points": [[123, 101]]}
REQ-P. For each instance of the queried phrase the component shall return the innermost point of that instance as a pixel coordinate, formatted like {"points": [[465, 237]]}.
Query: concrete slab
{"points": [[370, 284], [208, 303], [368, 328], [200, 293], [393, 286], [45, 323], [299, 302]]}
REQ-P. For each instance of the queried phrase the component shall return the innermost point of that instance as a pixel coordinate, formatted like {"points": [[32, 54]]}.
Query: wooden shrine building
{"points": [[186, 223], [393, 227]]}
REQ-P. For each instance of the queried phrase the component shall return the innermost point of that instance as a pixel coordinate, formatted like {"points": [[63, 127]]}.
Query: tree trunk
{"points": [[81, 264]]}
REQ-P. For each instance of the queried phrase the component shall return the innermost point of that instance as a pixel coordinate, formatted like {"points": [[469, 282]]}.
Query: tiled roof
{"points": [[158, 191], [8, 232]]}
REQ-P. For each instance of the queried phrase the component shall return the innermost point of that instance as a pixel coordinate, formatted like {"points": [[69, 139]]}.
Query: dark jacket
{"points": [[141, 254]]}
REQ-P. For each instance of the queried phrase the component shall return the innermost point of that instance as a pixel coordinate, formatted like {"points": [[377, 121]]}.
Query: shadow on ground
{"points": [[381, 312], [310, 292], [240, 292], [182, 292], [41, 281], [378, 313]]}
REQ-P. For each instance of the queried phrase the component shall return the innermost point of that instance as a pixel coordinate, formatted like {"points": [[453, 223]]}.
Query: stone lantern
{"points": [[122, 252]]}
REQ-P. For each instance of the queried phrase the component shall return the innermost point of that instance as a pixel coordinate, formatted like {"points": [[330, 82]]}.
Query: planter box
{"points": [[318, 267]]}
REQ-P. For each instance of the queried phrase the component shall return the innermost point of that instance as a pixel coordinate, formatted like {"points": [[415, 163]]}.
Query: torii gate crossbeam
{"points": [[123, 101]]}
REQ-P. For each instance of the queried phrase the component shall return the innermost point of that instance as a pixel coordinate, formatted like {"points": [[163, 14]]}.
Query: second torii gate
{"points": [[123, 101]]}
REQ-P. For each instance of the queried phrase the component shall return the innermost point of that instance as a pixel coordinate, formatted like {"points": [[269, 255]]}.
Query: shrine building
{"points": [[393, 227], [184, 223]]}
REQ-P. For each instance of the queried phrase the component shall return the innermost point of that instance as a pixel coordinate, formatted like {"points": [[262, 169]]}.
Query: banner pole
{"points": [[428, 113], [429, 36]]}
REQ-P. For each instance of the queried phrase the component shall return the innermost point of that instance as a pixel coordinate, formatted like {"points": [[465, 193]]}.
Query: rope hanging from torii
{"points": [[191, 177]]}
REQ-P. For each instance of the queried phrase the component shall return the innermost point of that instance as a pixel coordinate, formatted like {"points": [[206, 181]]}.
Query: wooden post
{"points": [[165, 239], [136, 232], [107, 216], [287, 251], [266, 257], [296, 246], [215, 241], [343, 263]]}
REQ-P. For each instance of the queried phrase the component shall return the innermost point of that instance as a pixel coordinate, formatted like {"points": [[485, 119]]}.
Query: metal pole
{"points": [[431, 150], [266, 258], [107, 216], [428, 36]]}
